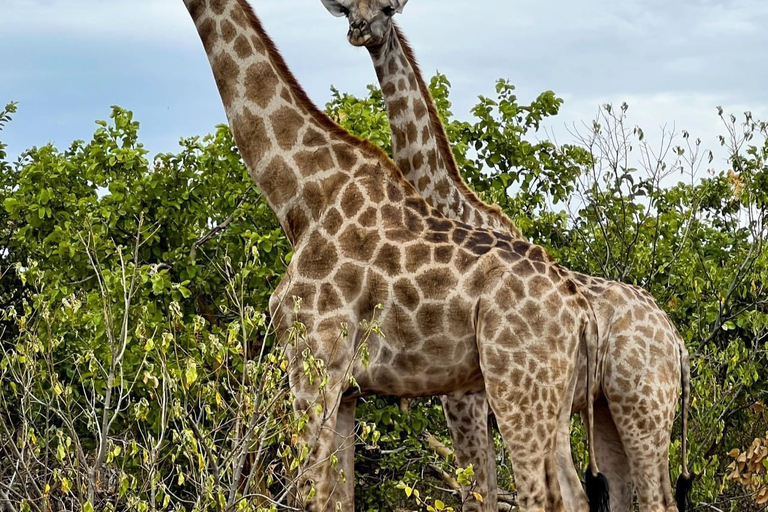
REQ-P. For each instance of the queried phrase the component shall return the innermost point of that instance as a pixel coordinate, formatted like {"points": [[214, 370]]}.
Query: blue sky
{"points": [[67, 61]]}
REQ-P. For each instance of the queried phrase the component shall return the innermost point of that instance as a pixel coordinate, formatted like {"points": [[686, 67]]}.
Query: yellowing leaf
{"points": [[190, 374]]}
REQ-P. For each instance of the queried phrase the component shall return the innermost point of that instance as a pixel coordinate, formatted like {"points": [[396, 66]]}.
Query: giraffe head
{"points": [[370, 21]]}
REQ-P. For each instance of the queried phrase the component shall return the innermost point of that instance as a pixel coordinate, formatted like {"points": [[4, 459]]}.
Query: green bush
{"points": [[138, 369]]}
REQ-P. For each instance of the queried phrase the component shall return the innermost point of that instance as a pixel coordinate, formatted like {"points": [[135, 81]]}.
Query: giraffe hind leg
{"points": [[574, 497], [534, 464], [527, 413], [612, 459], [647, 450]]}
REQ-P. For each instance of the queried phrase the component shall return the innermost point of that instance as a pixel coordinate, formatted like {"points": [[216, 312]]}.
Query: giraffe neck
{"points": [[414, 145], [283, 138], [420, 144]]}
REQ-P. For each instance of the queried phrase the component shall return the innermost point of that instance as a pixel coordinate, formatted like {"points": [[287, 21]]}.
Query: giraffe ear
{"points": [[335, 7], [399, 5]]}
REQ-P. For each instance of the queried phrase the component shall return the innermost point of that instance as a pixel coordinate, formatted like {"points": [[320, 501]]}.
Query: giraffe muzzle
{"points": [[359, 33]]}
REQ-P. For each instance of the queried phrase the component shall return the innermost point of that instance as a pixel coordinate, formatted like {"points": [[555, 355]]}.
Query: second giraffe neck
{"points": [[419, 142], [414, 145]]}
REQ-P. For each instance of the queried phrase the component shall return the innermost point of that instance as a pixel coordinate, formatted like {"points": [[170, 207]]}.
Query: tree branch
{"points": [[221, 227]]}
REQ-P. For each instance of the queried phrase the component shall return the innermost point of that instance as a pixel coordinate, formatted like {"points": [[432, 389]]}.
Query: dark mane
{"points": [[444, 146]]}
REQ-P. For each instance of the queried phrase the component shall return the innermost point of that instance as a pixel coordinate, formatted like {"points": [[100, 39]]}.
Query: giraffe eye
{"points": [[388, 11]]}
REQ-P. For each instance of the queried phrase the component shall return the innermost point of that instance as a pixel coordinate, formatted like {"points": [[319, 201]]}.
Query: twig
{"points": [[221, 227], [438, 447], [6, 501], [707, 505], [446, 477], [390, 452]]}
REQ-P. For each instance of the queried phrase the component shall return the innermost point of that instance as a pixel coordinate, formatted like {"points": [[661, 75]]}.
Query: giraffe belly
{"points": [[409, 375], [428, 344], [421, 358]]}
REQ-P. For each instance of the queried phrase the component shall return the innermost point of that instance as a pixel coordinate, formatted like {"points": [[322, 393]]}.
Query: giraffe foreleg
{"points": [[344, 491], [325, 438]]}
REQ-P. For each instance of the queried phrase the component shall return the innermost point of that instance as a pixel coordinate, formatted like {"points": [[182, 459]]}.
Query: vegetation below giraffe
{"points": [[138, 370]]}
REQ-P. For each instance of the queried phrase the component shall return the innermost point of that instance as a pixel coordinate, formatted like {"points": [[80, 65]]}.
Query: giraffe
{"points": [[462, 308], [643, 357]]}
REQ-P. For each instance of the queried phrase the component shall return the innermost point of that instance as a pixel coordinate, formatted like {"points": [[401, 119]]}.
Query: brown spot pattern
{"points": [[349, 279], [278, 182], [320, 260], [389, 260], [261, 84], [352, 200], [358, 243], [286, 123], [251, 137], [311, 162]]}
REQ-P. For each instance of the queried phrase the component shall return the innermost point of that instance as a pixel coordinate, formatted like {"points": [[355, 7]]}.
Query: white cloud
{"points": [[672, 61], [145, 21], [91, 19], [735, 18], [660, 115]]}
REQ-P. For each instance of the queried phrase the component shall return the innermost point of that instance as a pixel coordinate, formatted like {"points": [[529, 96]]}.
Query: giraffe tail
{"points": [[595, 482], [685, 481]]}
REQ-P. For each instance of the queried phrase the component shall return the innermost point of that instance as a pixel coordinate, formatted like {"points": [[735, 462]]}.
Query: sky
{"points": [[674, 61]]}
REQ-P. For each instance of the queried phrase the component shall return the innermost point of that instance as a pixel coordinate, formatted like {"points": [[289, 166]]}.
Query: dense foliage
{"points": [[137, 365]]}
